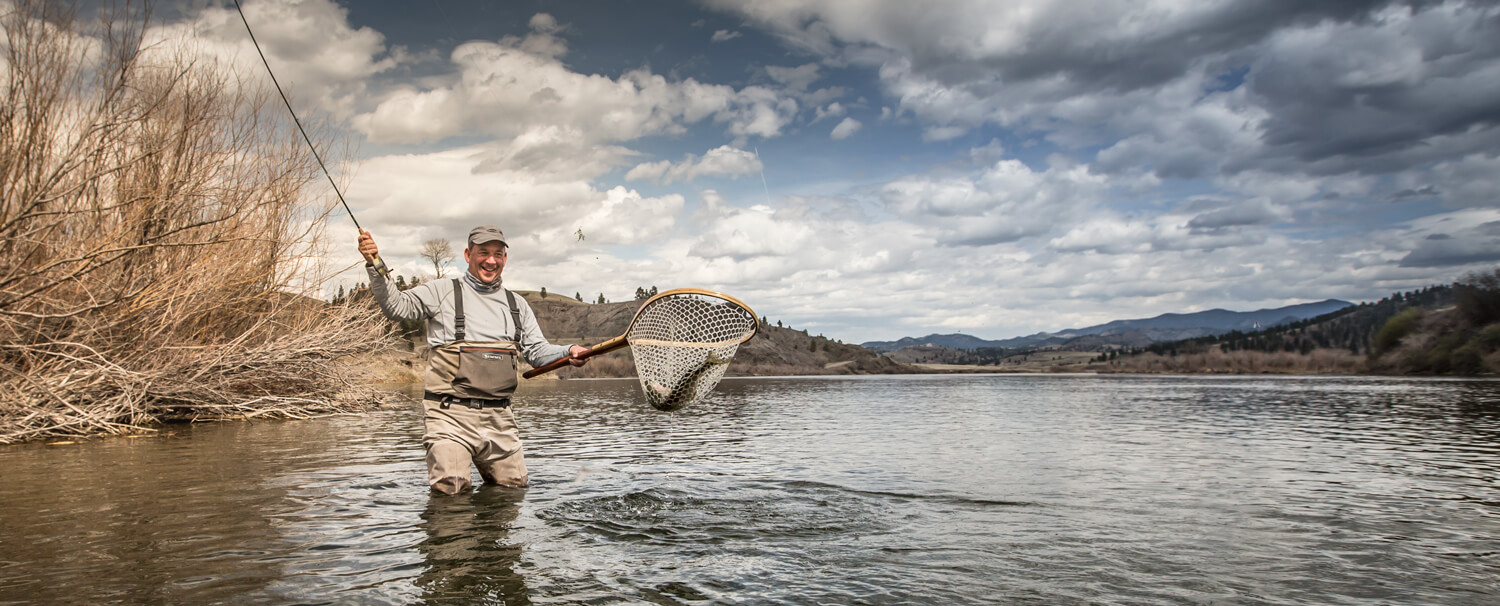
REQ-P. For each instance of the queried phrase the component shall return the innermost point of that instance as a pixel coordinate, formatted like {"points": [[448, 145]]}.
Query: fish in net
{"points": [[683, 341]]}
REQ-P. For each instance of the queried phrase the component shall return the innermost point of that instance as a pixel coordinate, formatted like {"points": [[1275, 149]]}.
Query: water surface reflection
{"points": [[931, 489]]}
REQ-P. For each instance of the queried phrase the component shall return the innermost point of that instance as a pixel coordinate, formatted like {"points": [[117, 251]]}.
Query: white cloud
{"points": [[1106, 234], [724, 35], [943, 133], [1464, 240], [1473, 180], [1182, 89], [544, 23], [1005, 203], [833, 110], [720, 161], [553, 152], [525, 81], [420, 196], [317, 57], [795, 78], [845, 129], [1253, 212], [758, 111]]}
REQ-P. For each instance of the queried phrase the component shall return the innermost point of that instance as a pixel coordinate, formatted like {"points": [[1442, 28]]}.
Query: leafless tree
{"points": [[439, 253]]}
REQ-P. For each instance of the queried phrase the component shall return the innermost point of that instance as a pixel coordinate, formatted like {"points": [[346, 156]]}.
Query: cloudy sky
{"points": [[872, 169]]}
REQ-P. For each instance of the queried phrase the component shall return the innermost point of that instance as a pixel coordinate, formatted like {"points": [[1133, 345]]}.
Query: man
{"points": [[475, 328]]}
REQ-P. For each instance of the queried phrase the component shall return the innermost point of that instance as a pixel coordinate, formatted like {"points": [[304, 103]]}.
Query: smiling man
{"points": [[476, 330]]}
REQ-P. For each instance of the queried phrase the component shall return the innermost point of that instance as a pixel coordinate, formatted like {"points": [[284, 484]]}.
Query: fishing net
{"points": [[683, 341]]}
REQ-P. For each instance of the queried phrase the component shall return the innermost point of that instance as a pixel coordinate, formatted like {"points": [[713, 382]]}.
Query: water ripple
{"points": [[849, 490]]}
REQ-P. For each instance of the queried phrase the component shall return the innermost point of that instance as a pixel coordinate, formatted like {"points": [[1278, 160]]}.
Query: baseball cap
{"points": [[486, 233]]}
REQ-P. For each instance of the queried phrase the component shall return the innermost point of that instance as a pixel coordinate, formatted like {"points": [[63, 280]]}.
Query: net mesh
{"points": [[683, 344]]}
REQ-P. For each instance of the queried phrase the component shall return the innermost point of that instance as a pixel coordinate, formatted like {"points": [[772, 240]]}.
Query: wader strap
{"points": [[515, 315], [458, 311]]}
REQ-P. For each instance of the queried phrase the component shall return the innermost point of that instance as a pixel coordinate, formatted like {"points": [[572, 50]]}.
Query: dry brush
{"points": [[156, 240]]}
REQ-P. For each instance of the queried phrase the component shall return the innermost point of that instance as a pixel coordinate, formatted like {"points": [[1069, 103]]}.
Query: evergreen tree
{"points": [[544, 292], [578, 295]]}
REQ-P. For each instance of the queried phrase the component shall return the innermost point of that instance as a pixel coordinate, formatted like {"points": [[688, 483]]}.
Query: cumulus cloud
{"points": [[525, 80], [1471, 181], [1117, 46], [419, 196], [1005, 203], [943, 133], [1183, 90], [720, 161], [1457, 239], [553, 152], [795, 78], [1105, 234], [1254, 212], [1442, 250], [316, 55], [1409, 85], [833, 110], [845, 129]]}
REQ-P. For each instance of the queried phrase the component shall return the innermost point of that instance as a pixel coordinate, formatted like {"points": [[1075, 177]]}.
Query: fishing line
{"points": [[762, 175], [379, 263]]}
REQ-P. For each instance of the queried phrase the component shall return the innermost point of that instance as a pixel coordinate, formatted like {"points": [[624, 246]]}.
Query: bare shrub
{"points": [[155, 244], [1318, 361]]}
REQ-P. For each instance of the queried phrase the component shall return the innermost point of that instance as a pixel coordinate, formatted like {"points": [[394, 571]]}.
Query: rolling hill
{"points": [[1129, 333]]}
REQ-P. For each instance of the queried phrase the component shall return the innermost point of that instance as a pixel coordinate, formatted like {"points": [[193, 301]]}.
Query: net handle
{"points": [[624, 340], [602, 348]]}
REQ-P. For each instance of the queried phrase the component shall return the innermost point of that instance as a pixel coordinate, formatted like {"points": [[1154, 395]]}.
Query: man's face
{"points": [[486, 261]]}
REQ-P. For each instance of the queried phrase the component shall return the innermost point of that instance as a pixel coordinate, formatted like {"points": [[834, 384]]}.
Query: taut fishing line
{"points": [[379, 263]]}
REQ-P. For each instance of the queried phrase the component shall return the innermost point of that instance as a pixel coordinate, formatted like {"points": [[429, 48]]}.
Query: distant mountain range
{"points": [[1165, 327]]}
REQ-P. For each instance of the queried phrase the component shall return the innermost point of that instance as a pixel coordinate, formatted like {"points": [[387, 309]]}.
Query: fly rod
{"points": [[379, 263]]}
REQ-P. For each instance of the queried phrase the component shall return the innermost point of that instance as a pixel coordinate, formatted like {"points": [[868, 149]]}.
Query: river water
{"points": [[957, 489]]}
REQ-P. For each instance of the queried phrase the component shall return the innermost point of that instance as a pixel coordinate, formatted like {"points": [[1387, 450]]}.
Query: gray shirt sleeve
{"points": [[401, 305], [533, 345]]}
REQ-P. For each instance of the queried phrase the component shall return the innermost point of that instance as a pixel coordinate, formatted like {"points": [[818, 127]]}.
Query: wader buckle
{"points": [[445, 400]]}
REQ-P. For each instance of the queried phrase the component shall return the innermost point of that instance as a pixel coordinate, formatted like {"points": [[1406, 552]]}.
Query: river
{"points": [[950, 489]]}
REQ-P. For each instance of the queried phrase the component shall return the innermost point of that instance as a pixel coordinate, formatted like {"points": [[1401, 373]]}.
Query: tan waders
{"points": [[457, 434], [466, 408]]}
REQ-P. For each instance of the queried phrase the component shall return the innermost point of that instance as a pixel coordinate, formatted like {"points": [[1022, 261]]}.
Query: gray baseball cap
{"points": [[486, 233]]}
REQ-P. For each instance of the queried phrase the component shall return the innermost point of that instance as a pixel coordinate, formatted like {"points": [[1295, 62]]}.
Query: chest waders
{"points": [[474, 373]]}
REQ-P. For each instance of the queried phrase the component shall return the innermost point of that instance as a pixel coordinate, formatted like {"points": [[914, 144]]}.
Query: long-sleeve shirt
{"points": [[486, 315]]}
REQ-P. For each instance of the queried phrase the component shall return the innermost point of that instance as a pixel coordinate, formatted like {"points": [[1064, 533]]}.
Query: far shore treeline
{"points": [[1450, 329], [160, 229]]}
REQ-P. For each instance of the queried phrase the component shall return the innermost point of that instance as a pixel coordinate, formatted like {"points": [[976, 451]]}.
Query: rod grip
{"points": [[380, 267]]}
